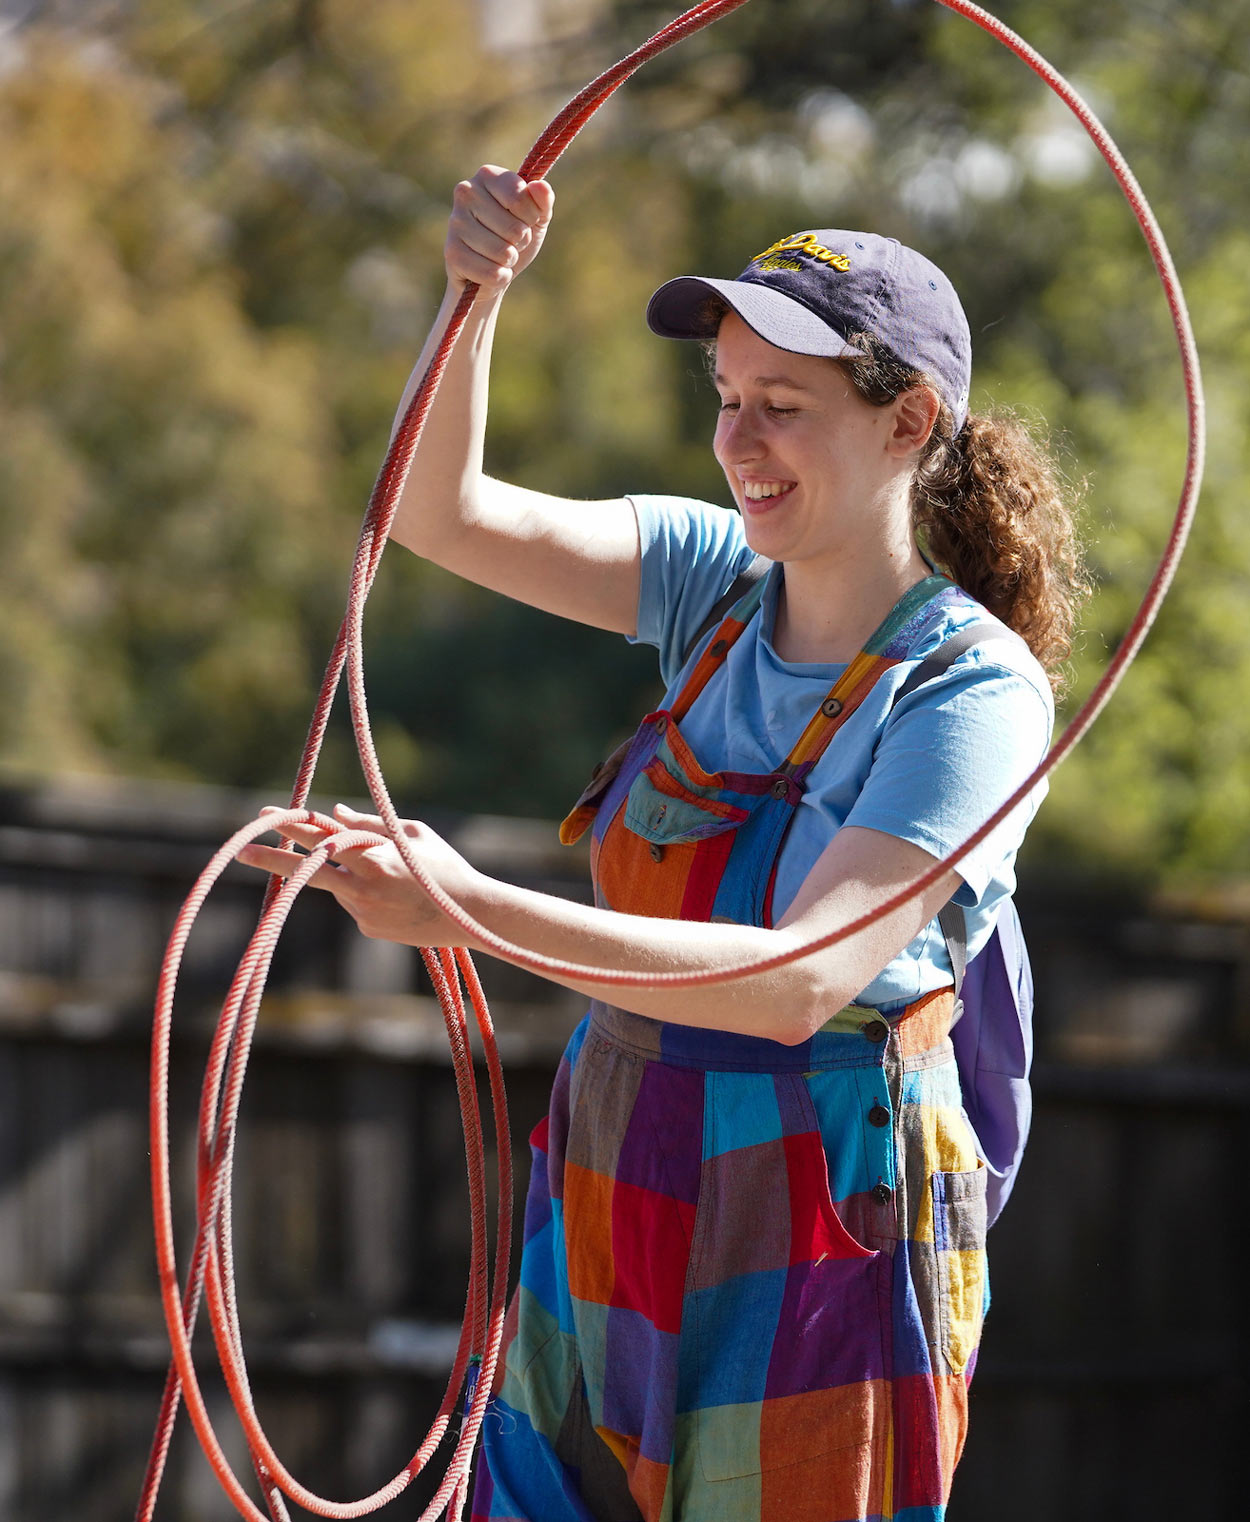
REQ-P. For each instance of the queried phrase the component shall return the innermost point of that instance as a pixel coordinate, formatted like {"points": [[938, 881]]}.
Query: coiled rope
{"points": [[452, 972]]}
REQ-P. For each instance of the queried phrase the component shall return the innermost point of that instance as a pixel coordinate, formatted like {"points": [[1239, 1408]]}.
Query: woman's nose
{"points": [[738, 438]]}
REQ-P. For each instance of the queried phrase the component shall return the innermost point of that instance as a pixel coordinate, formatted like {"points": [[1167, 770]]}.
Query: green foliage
{"points": [[220, 234]]}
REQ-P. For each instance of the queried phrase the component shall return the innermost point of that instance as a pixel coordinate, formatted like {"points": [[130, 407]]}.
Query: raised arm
{"points": [[577, 559]]}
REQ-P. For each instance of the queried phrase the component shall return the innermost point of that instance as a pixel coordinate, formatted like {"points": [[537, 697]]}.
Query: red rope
{"points": [[481, 1330]]}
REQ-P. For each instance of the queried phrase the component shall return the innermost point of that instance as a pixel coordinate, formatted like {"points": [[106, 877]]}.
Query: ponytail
{"points": [[989, 511]]}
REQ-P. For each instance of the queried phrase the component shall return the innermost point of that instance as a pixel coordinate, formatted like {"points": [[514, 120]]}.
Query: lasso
{"points": [[452, 972]]}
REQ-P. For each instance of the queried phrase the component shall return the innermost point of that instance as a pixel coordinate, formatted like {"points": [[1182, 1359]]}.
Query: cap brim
{"points": [[675, 312]]}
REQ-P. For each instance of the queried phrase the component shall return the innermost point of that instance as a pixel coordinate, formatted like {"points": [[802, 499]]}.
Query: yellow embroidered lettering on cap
{"points": [[771, 249], [803, 243]]}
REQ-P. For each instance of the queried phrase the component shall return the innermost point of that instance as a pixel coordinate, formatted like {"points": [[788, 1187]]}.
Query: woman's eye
{"points": [[771, 410]]}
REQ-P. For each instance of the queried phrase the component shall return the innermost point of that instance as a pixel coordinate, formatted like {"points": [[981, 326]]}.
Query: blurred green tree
{"points": [[220, 233]]}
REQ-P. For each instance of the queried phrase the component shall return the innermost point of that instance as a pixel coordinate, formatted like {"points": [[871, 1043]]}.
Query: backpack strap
{"points": [[955, 930], [951, 919], [738, 588], [948, 652]]}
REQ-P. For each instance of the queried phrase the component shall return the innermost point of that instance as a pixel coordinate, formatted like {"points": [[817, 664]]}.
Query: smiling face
{"points": [[817, 472]]}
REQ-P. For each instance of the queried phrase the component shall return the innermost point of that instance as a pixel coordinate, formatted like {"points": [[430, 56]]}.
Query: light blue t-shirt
{"points": [[930, 771]]}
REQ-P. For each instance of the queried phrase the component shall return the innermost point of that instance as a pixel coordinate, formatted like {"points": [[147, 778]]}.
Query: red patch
{"points": [[704, 876], [815, 1230], [650, 1248], [934, 1412]]}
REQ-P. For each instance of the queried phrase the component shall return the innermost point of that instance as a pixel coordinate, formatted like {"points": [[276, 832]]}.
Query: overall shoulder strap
{"points": [[738, 588], [889, 644], [732, 613]]}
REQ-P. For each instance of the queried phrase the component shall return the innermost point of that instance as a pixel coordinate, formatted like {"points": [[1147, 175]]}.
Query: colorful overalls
{"points": [[754, 1275]]}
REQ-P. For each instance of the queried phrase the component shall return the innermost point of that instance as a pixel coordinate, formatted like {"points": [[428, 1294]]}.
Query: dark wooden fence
{"points": [[1112, 1380]]}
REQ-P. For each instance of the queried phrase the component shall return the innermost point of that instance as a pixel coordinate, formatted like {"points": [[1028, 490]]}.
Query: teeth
{"points": [[756, 491]]}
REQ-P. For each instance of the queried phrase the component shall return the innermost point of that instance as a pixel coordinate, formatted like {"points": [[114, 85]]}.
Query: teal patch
{"points": [[739, 1110]]}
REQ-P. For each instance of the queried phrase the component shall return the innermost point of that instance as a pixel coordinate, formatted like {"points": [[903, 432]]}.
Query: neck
{"points": [[827, 612]]}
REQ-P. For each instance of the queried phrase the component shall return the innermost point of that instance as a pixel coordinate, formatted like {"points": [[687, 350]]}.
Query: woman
{"points": [[753, 1277]]}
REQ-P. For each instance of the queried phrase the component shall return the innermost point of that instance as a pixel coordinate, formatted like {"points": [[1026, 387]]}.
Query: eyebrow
{"points": [[768, 380]]}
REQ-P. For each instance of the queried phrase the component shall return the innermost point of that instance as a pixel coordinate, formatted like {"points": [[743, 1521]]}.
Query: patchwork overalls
{"points": [[753, 1276]]}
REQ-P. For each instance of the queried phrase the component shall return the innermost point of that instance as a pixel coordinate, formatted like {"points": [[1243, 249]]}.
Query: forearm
{"points": [[441, 490], [858, 869], [784, 1004]]}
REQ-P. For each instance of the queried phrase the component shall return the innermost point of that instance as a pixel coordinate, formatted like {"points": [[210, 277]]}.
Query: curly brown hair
{"points": [[990, 509], [989, 506]]}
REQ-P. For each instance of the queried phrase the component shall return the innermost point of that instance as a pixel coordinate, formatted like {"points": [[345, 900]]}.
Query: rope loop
{"points": [[452, 972]]}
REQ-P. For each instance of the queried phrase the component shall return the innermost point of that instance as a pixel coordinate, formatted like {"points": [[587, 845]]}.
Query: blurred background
{"points": [[220, 250]]}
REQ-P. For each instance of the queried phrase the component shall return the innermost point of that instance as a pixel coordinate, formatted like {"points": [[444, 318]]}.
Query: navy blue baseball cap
{"points": [[810, 291]]}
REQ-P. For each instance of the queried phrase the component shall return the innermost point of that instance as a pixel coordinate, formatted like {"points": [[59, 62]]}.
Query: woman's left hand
{"points": [[373, 884]]}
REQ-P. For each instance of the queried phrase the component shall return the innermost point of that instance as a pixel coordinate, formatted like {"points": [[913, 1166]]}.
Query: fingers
{"points": [[497, 224], [306, 834], [284, 862], [352, 844], [543, 199], [287, 863], [313, 834], [506, 204], [496, 218], [357, 820]]}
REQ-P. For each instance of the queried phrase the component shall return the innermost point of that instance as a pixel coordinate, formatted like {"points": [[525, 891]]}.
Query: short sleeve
{"points": [[949, 755], [691, 552]]}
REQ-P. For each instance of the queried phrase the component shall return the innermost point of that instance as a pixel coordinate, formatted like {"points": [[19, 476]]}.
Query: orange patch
{"points": [[628, 874], [588, 1233], [952, 1409], [648, 1484], [926, 1023], [846, 1429]]}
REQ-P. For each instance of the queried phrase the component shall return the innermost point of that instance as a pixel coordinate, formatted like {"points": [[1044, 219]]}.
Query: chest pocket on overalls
{"points": [[666, 808], [666, 849]]}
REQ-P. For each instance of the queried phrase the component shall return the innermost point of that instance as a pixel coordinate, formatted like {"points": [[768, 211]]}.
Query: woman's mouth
{"points": [[761, 496]]}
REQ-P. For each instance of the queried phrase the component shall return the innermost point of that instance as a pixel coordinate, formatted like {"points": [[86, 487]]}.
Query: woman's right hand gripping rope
{"points": [[497, 226]]}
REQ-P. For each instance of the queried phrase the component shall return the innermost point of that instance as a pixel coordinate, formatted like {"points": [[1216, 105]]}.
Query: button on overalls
{"points": [[753, 1276]]}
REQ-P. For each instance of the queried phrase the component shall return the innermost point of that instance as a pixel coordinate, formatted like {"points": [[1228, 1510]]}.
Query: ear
{"points": [[915, 414]]}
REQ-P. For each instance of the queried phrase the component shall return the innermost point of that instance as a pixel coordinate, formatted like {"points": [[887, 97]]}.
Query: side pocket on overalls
{"points": [[959, 1230]]}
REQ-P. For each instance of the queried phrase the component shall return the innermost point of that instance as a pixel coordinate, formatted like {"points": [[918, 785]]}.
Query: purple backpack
{"points": [[993, 1029], [993, 1041]]}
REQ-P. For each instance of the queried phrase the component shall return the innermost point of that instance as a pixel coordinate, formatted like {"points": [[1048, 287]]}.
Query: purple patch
{"points": [[662, 1149], [558, 1129], [640, 750], [751, 1233], [640, 1360], [483, 1494], [829, 1329], [537, 1207], [911, 1347], [794, 1104]]}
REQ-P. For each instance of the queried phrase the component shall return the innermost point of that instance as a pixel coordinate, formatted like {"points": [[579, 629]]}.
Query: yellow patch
{"points": [[965, 1304], [949, 1147]]}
